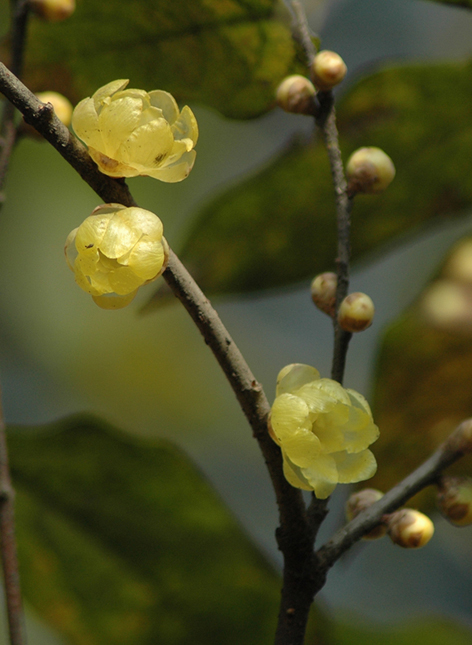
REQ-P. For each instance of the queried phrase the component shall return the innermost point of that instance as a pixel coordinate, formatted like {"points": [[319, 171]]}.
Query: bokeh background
{"points": [[151, 374]]}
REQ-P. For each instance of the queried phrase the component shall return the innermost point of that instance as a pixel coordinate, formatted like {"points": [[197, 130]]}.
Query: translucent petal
{"points": [[120, 237], [124, 280], [178, 150], [70, 250], [322, 475], [147, 146], [292, 377], [302, 447], [334, 390], [317, 400], [359, 401], [292, 475], [359, 431], [113, 301], [176, 172], [91, 232], [117, 121], [108, 90], [85, 124], [355, 467], [88, 264], [112, 167], [165, 102], [185, 128], [145, 222], [146, 258], [84, 283], [289, 414]]}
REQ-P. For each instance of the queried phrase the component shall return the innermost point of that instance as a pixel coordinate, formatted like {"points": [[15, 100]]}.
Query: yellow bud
{"points": [[115, 251], [52, 10], [409, 528], [356, 312], [369, 170], [295, 94], [358, 502], [455, 500], [323, 292], [62, 106], [328, 70]]}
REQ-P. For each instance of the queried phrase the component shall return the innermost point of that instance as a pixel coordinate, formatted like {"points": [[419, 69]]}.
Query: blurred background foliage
{"points": [[103, 515]]}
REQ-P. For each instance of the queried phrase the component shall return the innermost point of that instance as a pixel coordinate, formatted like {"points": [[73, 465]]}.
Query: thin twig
{"points": [[456, 446], [8, 545], [301, 31], [326, 121]]}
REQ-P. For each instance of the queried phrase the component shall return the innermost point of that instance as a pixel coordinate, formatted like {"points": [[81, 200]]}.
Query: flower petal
{"points": [[108, 90], [166, 103], [147, 258], [124, 280], [322, 475], [185, 128], [289, 414], [290, 474], [113, 301], [302, 447], [176, 172], [148, 146], [292, 377], [117, 122], [91, 232], [120, 237], [355, 467], [85, 124]]}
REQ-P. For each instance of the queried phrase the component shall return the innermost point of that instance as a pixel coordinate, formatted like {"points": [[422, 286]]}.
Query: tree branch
{"points": [[294, 536], [456, 446]]}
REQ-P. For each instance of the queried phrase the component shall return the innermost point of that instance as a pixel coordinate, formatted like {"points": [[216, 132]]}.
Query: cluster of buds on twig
{"points": [[406, 527], [356, 311], [296, 94]]}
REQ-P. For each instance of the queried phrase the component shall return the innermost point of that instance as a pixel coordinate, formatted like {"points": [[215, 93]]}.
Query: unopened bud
{"points": [[323, 292], [356, 312], [409, 528], [358, 502], [369, 170], [455, 500], [52, 10], [62, 106], [296, 94], [328, 70]]}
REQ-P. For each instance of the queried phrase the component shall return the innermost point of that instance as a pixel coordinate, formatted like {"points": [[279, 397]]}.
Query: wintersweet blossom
{"points": [[115, 251], [133, 132], [323, 430]]}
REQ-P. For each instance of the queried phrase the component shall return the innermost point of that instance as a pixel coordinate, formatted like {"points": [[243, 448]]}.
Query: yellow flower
{"points": [[323, 430], [133, 132], [115, 251]]}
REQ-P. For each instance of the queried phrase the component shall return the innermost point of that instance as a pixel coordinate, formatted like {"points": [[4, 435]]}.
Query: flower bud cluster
{"points": [[115, 251], [323, 430]]}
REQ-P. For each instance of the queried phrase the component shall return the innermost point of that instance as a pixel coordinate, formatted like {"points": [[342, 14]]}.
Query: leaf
{"points": [[278, 227], [123, 542], [423, 373], [229, 54]]}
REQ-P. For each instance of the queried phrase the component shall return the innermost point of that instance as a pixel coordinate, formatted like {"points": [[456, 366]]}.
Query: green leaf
{"points": [[229, 54], [423, 374], [122, 542], [279, 226]]}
